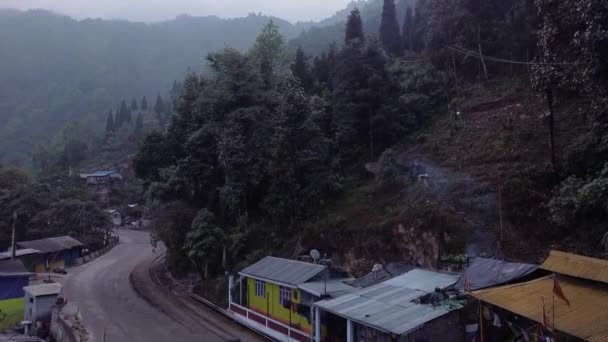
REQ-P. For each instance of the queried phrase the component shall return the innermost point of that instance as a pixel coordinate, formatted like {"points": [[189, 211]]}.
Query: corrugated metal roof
{"points": [[333, 287], [20, 252], [577, 266], [585, 318], [424, 280], [291, 272], [50, 245], [483, 273], [389, 306], [43, 289], [388, 271]]}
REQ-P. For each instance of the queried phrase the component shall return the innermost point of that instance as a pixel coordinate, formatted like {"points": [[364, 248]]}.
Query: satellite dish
{"points": [[315, 255]]}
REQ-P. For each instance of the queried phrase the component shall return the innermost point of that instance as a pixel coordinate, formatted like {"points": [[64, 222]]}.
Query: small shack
{"points": [[39, 302], [13, 277], [101, 177], [573, 299], [54, 253]]}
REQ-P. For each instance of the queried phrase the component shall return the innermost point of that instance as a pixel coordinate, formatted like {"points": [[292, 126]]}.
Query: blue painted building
{"points": [[13, 277]]}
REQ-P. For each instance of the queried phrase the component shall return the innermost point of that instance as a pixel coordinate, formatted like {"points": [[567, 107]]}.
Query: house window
{"points": [[284, 295], [260, 288]]}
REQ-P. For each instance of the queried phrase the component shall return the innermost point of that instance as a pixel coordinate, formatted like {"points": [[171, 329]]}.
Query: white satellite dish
{"points": [[315, 255]]}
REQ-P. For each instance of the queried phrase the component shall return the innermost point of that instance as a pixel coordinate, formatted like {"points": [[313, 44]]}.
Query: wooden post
{"points": [[241, 290], [480, 323], [549, 93], [500, 204], [13, 243], [483, 62]]}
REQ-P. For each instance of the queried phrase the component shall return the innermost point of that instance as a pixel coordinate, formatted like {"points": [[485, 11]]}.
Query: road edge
{"points": [[157, 296]]}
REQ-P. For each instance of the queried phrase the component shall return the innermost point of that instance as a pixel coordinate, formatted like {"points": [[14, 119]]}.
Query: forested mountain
{"points": [[55, 69], [455, 127]]}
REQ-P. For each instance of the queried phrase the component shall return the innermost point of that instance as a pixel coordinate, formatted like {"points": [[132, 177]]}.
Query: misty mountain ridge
{"points": [[57, 69]]}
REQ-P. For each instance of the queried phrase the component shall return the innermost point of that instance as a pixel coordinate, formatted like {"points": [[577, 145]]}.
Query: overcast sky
{"points": [[156, 10]]}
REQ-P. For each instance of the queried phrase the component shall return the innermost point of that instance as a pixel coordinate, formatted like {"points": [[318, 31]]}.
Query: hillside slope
{"points": [[437, 192]]}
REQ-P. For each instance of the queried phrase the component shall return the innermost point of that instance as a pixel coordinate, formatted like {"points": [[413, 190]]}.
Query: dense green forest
{"points": [[269, 154], [393, 131]]}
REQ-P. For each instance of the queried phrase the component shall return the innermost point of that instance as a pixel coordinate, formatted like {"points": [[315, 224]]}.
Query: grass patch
{"points": [[11, 312]]}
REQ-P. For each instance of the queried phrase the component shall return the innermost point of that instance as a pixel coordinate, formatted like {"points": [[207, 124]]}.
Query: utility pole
{"points": [[13, 244]]}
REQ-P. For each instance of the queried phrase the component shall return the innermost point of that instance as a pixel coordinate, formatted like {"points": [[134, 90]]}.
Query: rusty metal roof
{"points": [[585, 318], [577, 266]]}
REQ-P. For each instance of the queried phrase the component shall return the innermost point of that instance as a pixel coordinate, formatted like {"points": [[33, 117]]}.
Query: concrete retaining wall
{"points": [[92, 256], [65, 325]]}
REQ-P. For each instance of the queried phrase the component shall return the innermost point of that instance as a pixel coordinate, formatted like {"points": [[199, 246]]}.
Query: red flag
{"points": [[557, 290], [546, 322]]}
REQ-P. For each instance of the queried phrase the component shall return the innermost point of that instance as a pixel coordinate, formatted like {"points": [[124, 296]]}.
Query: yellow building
{"points": [[275, 296]]}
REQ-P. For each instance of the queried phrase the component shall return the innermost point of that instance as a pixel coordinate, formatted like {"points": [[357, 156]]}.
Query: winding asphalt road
{"points": [[111, 307]]}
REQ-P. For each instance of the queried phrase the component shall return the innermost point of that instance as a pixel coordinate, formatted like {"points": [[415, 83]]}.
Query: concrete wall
{"points": [[65, 327], [39, 309]]}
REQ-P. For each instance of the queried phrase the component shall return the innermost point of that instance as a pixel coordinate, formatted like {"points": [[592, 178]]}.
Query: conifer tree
{"points": [[417, 34], [408, 29], [128, 116], [139, 126], [300, 69], [354, 26], [144, 103], [121, 115], [159, 109], [109, 126], [110, 122], [389, 29], [133, 104], [159, 106]]}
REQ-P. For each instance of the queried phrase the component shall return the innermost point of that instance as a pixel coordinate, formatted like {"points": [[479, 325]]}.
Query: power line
{"points": [[500, 60], [398, 60]]}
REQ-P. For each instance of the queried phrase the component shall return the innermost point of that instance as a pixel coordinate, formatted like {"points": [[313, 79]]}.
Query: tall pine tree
{"points": [[408, 29], [121, 115], [133, 104], [159, 109], [109, 126], [354, 26], [139, 126], [389, 29], [300, 69], [144, 103]]}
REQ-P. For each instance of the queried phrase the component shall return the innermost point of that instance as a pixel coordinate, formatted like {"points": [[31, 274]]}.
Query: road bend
{"points": [[110, 306]]}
